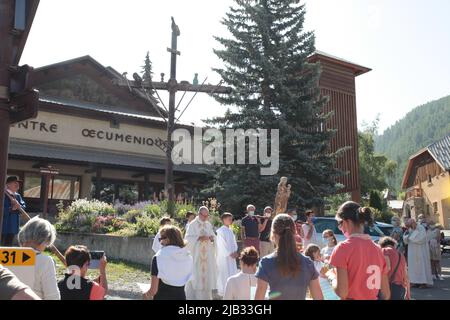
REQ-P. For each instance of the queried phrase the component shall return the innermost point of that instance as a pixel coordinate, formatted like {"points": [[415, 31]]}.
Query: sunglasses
{"points": [[340, 222]]}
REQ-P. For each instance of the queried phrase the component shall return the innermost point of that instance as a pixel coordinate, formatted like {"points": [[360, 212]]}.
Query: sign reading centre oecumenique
{"points": [[84, 132]]}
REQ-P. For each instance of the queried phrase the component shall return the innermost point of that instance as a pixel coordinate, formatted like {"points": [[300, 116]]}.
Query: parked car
{"points": [[324, 223], [385, 227], [445, 243]]}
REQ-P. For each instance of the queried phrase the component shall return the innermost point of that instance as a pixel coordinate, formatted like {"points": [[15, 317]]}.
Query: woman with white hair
{"points": [[40, 234]]}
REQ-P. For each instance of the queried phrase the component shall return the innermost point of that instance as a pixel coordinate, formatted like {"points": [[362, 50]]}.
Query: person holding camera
{"points": [[75, 285], [309, 230], [266, 246]]}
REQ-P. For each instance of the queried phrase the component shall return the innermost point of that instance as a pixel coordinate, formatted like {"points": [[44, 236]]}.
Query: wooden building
{"points": [[337, 81], [105, 140], [427, 183]]}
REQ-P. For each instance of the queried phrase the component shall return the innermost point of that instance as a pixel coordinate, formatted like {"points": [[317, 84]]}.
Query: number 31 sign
{"points": [[17, 256]]}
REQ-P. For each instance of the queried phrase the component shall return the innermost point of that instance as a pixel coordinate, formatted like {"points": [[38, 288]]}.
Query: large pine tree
{"points": [[273, 87]]}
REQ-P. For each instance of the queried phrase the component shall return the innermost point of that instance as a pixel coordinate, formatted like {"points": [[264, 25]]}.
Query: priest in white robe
{"points": [[201, 240], [419, 266], [226, 253]]}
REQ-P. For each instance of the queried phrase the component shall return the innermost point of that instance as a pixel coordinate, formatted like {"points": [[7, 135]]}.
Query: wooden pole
{"points": [[26, 217], [46, 192]]}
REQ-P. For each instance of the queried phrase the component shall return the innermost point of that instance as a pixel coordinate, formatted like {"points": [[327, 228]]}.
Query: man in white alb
{"points": [[201, 239], [419, 266]]}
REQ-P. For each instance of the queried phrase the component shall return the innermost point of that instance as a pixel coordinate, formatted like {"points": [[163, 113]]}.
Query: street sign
{"points": [[49, 171], [21, 262], [17, 256]]}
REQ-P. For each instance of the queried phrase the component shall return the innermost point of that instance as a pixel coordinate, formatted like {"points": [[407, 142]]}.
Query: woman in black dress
{"points": [[171, 267]]}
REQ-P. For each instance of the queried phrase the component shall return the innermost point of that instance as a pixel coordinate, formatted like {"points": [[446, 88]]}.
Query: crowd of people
{"points": [[285, 258], [281, 257]]}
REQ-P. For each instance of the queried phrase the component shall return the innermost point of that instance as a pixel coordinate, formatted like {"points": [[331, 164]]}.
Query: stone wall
{"points": [[136, 250]]}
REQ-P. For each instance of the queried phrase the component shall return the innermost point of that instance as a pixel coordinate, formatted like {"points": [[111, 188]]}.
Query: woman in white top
{"points": [[40, 234], [239, 286], [329, 239]]}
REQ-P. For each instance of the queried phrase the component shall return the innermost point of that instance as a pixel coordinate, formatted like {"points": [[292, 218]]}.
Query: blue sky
{"points": [[406, 43]]}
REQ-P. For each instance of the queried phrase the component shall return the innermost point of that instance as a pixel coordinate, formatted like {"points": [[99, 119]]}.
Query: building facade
{"points": [[338, 82], [427, 183], [107, 142]]}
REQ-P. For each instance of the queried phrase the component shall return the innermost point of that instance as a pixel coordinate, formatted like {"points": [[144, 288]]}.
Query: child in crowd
{"points": [[239, 286], [313, 252], [226, 252], [329, 239], [189, 217], [156, 241]]}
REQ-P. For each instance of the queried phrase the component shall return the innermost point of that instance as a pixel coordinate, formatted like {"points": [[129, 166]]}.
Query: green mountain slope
{"points": [[419, 128]]}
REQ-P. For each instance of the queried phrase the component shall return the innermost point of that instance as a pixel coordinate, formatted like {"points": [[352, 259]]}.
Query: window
{"points": [[435, 207], [61, 187], [32, 185], [64, 188]]}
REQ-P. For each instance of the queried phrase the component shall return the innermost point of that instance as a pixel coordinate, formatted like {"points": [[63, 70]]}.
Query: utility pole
{"points": [[172, 86], [17, 99]]}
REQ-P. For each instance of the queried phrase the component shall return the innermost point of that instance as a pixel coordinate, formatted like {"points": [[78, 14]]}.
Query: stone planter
{"points": [[133, 249]]}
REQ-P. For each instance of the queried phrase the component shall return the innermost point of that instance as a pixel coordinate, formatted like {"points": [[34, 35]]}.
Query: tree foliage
{"points": [[374, 168], [419, 128], [273, 87]]}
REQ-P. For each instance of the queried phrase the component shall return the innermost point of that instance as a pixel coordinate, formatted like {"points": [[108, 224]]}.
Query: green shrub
{"points": [[382, 216], [181, 209], [132, 215], [154, 211], [145, 226], [82, 215]]}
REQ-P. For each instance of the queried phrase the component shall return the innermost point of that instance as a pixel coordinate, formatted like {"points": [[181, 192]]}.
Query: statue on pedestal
{"points": [[282, 197]]}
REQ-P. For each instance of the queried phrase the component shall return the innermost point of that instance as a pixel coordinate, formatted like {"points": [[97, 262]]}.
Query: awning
{"points": [[94, 156]]}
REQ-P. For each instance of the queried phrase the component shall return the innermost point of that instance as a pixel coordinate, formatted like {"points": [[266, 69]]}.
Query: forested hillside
{"points": [[416, 130]]}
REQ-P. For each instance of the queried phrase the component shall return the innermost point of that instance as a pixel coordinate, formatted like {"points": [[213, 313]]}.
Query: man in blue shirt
{"points": [[250, 228], [11, 213]]}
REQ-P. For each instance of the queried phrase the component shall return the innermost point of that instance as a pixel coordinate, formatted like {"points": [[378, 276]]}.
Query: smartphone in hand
{"points": [[96, 256]]}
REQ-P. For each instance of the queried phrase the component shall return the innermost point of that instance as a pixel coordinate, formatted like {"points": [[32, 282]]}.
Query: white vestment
{"points": [[204, 278], [238, 287], [226, 245], [419, 266], [156, 246]]}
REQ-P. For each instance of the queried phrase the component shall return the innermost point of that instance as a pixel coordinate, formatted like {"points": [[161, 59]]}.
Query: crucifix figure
{"points": [[172, 86]]}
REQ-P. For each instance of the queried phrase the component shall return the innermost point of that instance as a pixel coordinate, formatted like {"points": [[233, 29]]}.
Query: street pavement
{"points": [[441, 289]]}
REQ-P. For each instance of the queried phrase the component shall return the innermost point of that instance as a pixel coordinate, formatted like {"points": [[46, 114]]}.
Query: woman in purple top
{"points": [[288, 273]]}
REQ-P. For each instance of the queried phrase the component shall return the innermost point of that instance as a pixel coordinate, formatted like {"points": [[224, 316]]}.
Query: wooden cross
{"points": [[172, 86]]}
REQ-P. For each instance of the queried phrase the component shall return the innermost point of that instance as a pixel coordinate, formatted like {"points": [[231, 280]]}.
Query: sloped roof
{"points": [[438, 150], [357, 69], [42, 75]]}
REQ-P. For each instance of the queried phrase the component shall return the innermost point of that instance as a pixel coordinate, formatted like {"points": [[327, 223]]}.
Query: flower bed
{"points": [[138, 220]]}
